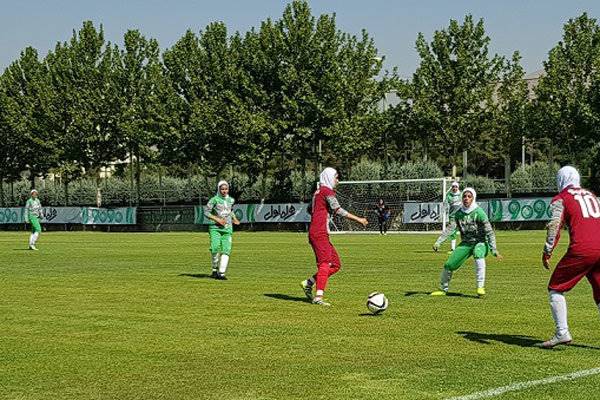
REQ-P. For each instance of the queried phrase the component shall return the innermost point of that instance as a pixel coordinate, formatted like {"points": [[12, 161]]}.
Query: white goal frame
{"points": [[445, 181]]}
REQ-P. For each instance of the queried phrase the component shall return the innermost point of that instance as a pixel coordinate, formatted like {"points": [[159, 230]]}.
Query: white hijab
{"points": [[473, 205], [567, 176], [327, 178], [221, 183]]}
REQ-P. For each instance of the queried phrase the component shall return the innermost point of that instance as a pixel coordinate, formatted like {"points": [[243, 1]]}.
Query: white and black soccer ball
{"points": [[377, 303]]}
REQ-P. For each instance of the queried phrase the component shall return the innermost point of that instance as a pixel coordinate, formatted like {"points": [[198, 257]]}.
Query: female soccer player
{"points": [[219, 210], [33, 207], [477, 240], [453, 204], [324, 204], [579, 210], [383, 215]]}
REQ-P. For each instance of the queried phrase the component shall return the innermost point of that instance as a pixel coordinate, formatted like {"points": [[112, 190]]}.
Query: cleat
{"points": [[450, 252], [438, 293], [221, 277], [32, 247], [307, 289], [480, 292], [214, 274], [321, 302], [557, 339]]}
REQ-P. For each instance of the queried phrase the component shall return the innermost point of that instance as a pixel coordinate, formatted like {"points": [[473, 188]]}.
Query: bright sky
{"points": [[532, 27]]}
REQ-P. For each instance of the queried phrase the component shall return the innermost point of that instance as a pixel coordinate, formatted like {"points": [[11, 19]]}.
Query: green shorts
{"points": [[464, 251], [35, 224], [220, 240]]}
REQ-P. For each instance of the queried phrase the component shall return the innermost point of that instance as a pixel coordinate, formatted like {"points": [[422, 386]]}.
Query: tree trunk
{"points": [[138, 177], [66, 180], [507, 174], [131, 184], [303, 194], [2, 193], [263, 183]]}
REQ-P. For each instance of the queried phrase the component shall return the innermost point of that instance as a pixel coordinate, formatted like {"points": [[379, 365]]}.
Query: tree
{"points": [[142, 114], [11, 163], [317, 88], [24, 98], [453, 87], [85, 101], [212, 114], [510, 113], [564, 107]]}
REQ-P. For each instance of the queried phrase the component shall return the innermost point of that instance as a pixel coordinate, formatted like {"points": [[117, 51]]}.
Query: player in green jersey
{"points": [[219, 210], [477, 240], [33, 213], [453, 204]]}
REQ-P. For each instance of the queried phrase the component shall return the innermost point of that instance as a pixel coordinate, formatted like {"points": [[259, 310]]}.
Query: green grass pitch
{"points": [[134, 316]]}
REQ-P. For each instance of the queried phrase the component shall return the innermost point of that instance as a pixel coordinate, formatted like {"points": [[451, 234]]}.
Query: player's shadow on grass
{"points": [[449, 294], [514, 340], [201, 276], [281, 296]]}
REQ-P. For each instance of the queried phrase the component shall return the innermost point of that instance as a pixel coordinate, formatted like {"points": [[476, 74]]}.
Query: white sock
{"points": [[558, 305], [480, 272], [215, 261], [223, 264], [31, 242], [35, 235], [445, 279], [453, 244], [320, 293]]}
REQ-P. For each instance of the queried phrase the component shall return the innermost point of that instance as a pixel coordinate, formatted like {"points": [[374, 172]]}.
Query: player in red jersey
{"points": [[579, 210], [324, 204]]}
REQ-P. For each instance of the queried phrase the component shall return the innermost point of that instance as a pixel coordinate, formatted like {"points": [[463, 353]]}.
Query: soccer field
{"points": [[135, 316]]}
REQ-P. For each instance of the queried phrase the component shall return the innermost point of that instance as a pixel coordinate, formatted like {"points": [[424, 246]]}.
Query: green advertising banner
{"points": [[250, 213], [498, 210], [507, 210], [73, 215]]}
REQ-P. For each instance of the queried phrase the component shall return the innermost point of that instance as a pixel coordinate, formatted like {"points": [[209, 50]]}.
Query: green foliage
{"points": [[415, 170], [292, 94], [481, 184], [453, 86], [537, 177], [365, 170], [564, 109]]}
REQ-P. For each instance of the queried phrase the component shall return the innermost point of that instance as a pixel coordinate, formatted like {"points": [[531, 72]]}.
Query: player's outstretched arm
{"points": [[218, 220], [360, 220]]}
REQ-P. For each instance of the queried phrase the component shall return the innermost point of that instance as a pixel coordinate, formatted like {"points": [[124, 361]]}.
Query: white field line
{"points": [[524, 385]]}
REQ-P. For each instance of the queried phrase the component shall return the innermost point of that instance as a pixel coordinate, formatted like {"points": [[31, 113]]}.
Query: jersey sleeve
{"points": [[209, 206], [334, 206], [557, 210], [490, 236], [28, 209]]}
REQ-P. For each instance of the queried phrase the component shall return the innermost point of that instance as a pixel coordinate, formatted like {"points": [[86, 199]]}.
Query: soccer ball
{"points": [[377, 303]]}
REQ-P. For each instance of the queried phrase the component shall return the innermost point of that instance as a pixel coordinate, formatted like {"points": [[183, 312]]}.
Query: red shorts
{"points": [[572, 267], [324, 251]]}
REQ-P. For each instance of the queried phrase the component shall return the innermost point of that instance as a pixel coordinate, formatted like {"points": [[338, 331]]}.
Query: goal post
{"points": [[415, 205]]}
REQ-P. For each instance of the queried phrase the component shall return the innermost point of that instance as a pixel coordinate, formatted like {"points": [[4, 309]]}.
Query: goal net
{"points": [[415, 205]]}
